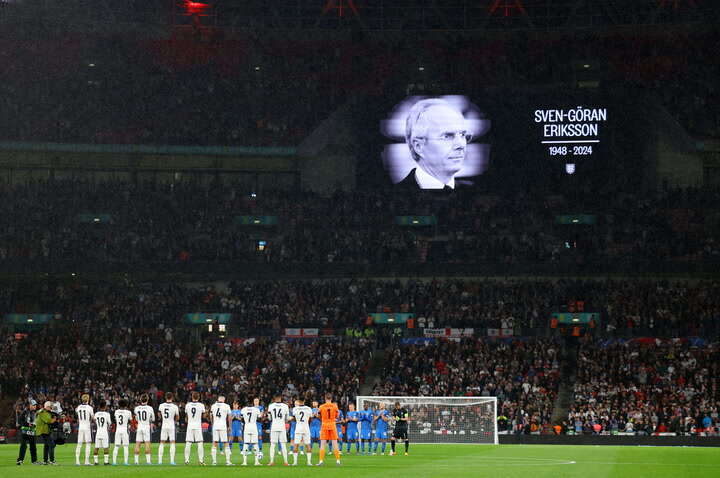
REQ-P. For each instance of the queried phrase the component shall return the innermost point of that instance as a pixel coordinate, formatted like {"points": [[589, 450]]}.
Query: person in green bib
{"points": [[43, 420]]}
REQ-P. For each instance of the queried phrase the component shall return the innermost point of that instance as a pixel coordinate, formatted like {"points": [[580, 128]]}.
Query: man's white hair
{"points": [[416, 126]]}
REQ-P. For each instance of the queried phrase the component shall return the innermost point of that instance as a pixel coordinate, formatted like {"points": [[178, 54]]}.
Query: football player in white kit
{"points": [[302, 415], [250, 415], [170, 414], [122, 436], [194, 411], [220, 412], [144, 416], [279, 413], [102, 432], [85, 418]]}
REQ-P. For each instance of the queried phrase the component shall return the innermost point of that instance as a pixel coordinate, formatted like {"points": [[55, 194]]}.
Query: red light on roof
{"points": [[196, 7]]}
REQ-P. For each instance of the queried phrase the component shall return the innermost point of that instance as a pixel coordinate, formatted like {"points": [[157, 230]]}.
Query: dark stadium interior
{"points": [[195, 196]]}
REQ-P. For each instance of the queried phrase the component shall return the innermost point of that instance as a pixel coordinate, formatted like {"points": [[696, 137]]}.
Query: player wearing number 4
{"points": [[85, 417], [194, 410], [279, 413], [328, 430], [102, 433], [169, 414], [144, 416], [221, 418]]}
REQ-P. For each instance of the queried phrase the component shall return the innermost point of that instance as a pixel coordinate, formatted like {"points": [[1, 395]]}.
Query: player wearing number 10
{"points": [[169, 413], [144, 415]]}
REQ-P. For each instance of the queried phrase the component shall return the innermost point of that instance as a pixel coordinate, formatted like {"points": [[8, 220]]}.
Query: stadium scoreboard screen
{"points": [[504, 138]]}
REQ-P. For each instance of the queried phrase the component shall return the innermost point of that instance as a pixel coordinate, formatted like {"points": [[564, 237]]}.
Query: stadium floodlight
{"points": [[449, 420]]}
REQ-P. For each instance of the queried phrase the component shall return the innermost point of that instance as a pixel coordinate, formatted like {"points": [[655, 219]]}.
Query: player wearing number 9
{"points": [[194, 410]]}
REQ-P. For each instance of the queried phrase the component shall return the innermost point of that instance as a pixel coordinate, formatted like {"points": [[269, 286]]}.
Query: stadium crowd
{"points": [[120, 222], [524, 376], [647, 387]]}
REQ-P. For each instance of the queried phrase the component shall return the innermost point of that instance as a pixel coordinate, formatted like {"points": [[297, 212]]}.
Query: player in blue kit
{"points": [[256, 404], [366, 419], [315, 424], [236, 431], [382, 417], [340, 420], [351, 429]]}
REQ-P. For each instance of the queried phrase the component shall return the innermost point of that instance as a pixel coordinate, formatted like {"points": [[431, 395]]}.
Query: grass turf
{"points": [[526, 461]]}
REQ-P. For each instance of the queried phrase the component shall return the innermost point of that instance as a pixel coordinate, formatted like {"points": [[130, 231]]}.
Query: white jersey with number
{"points": [[145, 415], [250, 416], [302, 415], [85, 416], [220, 412], [168, 412], [102, 423], [279, 413], [194, 412], [122, 420]]}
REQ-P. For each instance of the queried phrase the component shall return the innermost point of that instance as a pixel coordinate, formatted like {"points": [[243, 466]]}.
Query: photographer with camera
{"points": [[25, 421], [44, 420]]}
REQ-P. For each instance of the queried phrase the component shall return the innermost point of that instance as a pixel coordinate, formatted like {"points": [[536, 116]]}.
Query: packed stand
{"points": [[647, 388], [523, 375]]}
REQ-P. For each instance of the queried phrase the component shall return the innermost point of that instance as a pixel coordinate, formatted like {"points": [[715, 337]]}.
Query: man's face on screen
{"points": [[442, 151]]}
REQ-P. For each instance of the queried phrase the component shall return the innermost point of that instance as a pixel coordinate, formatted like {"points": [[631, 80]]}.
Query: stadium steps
{"points": [[373, 372], [568, 374]]}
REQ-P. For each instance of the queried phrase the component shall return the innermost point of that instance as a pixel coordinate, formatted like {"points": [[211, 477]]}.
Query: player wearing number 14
{"points": [[279, 414]]}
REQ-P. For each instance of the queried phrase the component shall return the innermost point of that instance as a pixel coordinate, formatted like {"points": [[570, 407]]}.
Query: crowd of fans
{"points": [[259, 89], [647, 388], [524, 376], [124, 223]]}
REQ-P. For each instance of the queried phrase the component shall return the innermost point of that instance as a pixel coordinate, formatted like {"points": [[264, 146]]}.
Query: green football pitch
{"points": [[526, 461]]}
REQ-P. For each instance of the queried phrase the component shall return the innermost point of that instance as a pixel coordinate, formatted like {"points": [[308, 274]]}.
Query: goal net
{"points": [[443, 419]]}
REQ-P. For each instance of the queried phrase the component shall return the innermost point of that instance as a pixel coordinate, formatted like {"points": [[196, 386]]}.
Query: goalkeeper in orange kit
{"points": [[328, 430]]}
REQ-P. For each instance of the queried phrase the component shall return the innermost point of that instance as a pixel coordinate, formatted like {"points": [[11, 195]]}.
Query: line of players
{"points": [[307, 426]]}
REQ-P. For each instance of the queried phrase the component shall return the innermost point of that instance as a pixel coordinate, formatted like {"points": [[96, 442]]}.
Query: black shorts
{"points": [[400, 433]]}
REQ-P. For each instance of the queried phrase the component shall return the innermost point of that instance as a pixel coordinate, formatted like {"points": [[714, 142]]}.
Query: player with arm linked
{"points": [[169, 414], [279, 413], [236, 426], [144, 416], [352, 419], [194, 412], [102, 433], [339, 423], [382, 417], [260, 421], [366, 417], [301, 416], [123, 417], [85, 417], [221, 418], [401, 416], [328, 429], [315, 424], [250, 415]]}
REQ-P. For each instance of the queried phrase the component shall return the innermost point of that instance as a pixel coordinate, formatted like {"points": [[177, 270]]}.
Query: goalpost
{"points": [[450, 420]]}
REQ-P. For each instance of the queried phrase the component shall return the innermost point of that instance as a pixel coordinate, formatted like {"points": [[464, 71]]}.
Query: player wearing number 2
{"points": [[144, 416], [194, 410], [102, 433], [279, 413], [169, 413], [302, 414], [220, 412], [85, 417]]}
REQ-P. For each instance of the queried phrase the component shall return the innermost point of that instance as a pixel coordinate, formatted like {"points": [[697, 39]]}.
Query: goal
{"points": [[451, 420]]}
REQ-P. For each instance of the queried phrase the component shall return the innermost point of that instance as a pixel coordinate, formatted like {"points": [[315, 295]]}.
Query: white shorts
{"points": [[278, 437], [302, 437], [102, 440], [122, 438], [167, 434], [220, 436], [250, 437], [84, 436], [142, 435], [194, 435]]}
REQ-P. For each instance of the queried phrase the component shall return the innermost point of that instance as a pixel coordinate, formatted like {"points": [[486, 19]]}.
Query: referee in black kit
{"points": [[26, 423], [401, 416]]}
